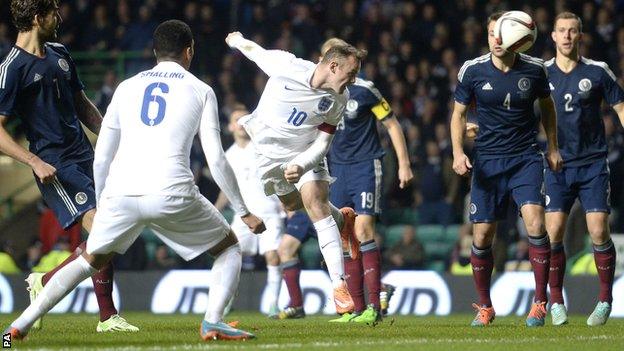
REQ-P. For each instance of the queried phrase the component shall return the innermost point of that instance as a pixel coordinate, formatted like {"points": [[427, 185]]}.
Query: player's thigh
{"points": [[269, 240], [526, 180], [486, 192], [558, 186], [364, 186], [248, 241], [594, 187], [116, 226], [71, 194], [189, 225], [315, 197]]}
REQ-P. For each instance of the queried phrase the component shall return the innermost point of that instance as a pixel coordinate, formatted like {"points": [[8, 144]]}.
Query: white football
{"points": [[515, 31]]}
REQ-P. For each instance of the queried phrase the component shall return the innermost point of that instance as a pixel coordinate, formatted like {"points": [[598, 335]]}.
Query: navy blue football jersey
{"points": [[40, 91], [504, 102], [356, 137], [578, 95]]}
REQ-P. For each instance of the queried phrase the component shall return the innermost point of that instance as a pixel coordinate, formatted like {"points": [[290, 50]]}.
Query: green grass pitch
{"points": [[181, 332]]}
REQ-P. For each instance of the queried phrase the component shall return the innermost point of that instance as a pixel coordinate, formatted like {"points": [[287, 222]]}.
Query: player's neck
{"points": [[504, 63], [566, 63], [241, 142], [319, 79], [31, 43]]}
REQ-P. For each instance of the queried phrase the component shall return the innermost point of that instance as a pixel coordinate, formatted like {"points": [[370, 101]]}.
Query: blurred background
{"points": [[415, 51]]}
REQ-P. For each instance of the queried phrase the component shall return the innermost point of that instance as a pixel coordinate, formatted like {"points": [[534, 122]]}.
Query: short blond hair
{"points": [[331, 42], [341, 52]]}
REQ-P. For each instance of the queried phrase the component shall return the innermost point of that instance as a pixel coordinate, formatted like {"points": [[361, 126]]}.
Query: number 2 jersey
{"points": [[290, 112], [578, 95], [40, 92], [504, 102]]}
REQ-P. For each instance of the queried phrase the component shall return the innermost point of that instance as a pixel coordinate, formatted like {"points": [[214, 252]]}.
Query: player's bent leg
{"points": [[555, 226], [64, 281], [482, 263], [539, 256], [224, 277]]}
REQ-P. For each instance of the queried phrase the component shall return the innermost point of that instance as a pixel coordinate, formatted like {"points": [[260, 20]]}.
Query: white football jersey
{"points": [[243, 163], [290, 111], [158, 112]]}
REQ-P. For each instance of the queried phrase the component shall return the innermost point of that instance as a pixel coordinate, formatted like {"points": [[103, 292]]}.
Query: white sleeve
{"points": [[270, 61], [106, 147], [215, 156], [314, 154]]}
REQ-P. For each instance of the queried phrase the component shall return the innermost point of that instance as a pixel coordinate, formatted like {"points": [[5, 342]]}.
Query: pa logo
{"points": [[6, 341]]}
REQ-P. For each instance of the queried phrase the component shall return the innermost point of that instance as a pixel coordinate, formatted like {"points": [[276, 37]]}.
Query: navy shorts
{"points": [[590, 183], [71, 194], [358, 185], [494, 181], [300, 226]]}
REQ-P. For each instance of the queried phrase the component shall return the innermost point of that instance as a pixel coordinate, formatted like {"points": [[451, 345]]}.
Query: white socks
{"points": [[224, 278], [331, 248], [274, 283], [61, 283]]}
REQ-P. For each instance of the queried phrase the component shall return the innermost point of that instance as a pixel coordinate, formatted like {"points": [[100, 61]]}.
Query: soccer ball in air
{"points": [[515, 31]]}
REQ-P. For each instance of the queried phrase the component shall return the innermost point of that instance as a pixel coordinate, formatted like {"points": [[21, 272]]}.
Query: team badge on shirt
{"points": [[81, 198], [524, 84], [325, 104], [63, 64], [585, 85]]}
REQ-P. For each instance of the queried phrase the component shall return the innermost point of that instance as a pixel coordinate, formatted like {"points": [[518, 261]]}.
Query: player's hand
{"points": [[461, 164], [472, 130], [293, 173], [405, 176], [231, 36], [43, 170], [254, 223], [555, 162]]}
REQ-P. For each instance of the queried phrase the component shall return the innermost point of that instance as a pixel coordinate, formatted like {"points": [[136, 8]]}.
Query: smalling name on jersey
{"points": [[178, 75]]}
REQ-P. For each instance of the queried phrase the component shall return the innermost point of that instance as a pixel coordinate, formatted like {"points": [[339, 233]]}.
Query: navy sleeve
{"points": [[75, 82], [9, 87], [612, 91], [543, 88], [464, 89]]}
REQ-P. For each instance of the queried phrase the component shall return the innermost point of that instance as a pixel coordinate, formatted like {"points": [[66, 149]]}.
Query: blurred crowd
{"points": [[415, 51]]}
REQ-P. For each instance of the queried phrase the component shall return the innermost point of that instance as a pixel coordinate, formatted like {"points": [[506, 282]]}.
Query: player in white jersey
{"points": [[241, 157], [143, 178], [292, 129]]}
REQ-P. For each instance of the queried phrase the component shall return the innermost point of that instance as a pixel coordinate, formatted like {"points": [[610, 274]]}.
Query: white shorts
{"points": [[252, 244], [189, 225], [273, 176]]}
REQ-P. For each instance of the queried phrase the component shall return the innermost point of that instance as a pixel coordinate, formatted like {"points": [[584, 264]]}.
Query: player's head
{"points": [[236, 129], [329, 43], [342, 63], [41, 16], [567, 33], [495, 48], [173, 41]]}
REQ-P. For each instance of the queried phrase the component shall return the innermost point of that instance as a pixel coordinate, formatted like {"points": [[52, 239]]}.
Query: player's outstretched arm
{"points": [[549, 121], [44, 171], [270, 61], [461, 163], [87, 113], [308, 159], [400, 148]]}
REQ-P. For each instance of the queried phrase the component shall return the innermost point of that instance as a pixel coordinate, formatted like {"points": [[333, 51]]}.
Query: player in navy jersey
{"points": [[39, 86], [508, 163], [578, 86], [355, 161]]}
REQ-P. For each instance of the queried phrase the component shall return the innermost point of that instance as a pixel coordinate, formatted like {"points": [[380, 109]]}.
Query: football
{"points": [[515, 31]]}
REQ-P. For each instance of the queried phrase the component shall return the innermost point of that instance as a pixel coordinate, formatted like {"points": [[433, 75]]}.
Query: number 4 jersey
{"points": [[290, 112], [158, 111]]}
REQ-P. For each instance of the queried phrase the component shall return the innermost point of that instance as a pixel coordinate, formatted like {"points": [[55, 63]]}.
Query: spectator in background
{"points": [[51, 231], [460, 258], [33, 255], [59, 253], [99, 35], [407, 253], [7, 261], [438, 187], [105, 94], [5, 41]]}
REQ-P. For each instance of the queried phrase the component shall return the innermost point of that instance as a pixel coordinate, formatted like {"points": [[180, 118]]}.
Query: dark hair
{"points": [[569, 15], [24, 11], [171, 38], [494, 17], [342, 51]]}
